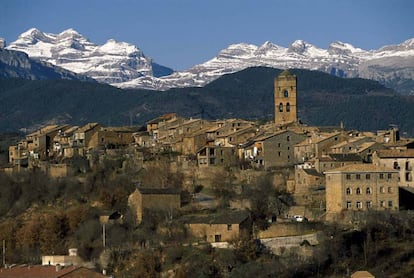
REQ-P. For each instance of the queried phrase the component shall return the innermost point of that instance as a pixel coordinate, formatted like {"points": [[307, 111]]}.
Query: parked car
{"points": [[299, 218]]}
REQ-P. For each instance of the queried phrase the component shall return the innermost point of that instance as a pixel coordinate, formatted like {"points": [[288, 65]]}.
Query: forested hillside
{"points": [[322, 100]]}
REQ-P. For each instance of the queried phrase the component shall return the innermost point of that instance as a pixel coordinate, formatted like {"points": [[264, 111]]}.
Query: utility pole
{"points": [[4, 253], [103, 236]]}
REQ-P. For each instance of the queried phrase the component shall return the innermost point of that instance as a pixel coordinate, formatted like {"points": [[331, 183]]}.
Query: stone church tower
{"points": [[285, 98]]}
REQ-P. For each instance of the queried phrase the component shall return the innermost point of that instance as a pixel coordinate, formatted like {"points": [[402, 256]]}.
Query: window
{"points": [[382, 204], [348, 205], [285, 93], [288, 138], [288, 107], [382, 189], [358, 176], [217, 238], [389, 176], [368, 204], [359, 205], [229, 227], [381, 176], [368, 191], [280, 107], [390, 204], [279, 154], [348, 176], [396, 166], [348, 191], [358, 191], [367, 176], [390, 189]]}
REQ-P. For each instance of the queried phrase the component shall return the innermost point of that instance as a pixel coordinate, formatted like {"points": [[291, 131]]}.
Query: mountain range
{"points": [[125, 65]]}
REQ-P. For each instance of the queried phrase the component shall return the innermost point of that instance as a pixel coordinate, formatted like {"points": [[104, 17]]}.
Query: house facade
{"points": [[220, 228], [361, 187], [401, 160], [156, 199]]}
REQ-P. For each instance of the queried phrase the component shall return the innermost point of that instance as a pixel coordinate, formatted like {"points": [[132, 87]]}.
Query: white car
{"points": [[299, 218]]}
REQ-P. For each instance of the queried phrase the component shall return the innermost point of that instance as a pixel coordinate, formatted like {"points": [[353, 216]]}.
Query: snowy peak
{"points": [[112, 62]]}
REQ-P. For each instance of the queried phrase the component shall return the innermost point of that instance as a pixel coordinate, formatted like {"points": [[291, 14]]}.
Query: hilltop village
{"points": [[232, 182]]}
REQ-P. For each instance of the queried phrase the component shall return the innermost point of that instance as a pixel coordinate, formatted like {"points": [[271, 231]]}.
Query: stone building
{"points": [[400, 160], [361, 187], [156, 199], [222, 227], [273, 149]]}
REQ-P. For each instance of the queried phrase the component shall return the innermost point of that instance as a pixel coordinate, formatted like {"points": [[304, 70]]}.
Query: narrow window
{"points": [[280, 107], [229, 227], [288, 107], [390, 204], [369, 190], [285, 93], [358, 191], [348, 191], [368, 204]]}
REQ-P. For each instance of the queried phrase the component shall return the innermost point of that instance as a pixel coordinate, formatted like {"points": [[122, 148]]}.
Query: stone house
{"points": [[362, 146], [317, 145], [143, 139], [156, 199], [235, 137], [86, 137], [63, 260], [307, 179], [400, 160], [221, 227], [273, 149], [115, 137], [361, 187], [216, 156], [332, 161]]}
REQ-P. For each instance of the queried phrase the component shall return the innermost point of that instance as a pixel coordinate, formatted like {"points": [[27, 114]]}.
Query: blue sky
{"points": [[183, 33]]}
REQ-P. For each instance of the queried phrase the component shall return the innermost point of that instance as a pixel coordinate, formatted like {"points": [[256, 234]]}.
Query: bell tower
{"points": [[285, 98]]}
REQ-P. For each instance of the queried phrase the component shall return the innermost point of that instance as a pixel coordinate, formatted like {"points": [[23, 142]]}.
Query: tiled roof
{"points": [[365, 167], [45, 271], [408, 153]]}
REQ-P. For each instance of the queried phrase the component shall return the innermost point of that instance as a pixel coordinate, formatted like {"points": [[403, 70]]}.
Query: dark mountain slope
{"points": [[323, 100]]}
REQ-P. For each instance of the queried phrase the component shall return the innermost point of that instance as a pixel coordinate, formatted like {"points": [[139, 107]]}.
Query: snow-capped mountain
{"points": [[124, 65], [391, 65], [112, 62]]}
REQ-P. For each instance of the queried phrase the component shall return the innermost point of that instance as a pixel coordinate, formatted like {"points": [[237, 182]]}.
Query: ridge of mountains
{"points": [[323, 100], [124, 65]]}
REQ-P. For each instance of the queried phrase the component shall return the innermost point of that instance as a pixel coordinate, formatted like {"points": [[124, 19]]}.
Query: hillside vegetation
{"points": [[322, 99]]}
